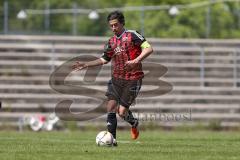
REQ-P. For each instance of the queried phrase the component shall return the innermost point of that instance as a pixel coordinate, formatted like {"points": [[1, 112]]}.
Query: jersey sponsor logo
{"points": [[119, 49]]}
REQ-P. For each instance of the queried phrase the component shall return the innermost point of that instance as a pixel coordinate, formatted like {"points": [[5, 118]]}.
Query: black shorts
{"points": [[123, 91]]}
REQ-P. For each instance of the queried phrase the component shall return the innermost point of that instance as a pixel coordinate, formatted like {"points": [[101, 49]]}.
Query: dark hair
{"points": [[116, 15]]}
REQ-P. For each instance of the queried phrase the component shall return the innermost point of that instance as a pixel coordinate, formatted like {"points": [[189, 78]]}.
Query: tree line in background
{"points": [[219, 20]]}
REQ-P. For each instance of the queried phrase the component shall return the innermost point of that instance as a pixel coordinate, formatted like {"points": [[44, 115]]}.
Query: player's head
{"points": [[116, 21]]}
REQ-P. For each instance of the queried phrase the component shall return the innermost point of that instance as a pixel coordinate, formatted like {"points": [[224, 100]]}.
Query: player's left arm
{"points": [[146, 51], [140, 41]]}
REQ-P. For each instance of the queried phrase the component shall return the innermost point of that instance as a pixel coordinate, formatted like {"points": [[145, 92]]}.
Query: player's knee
{"points": [[111, 109], [121, 113], [111, 106]]}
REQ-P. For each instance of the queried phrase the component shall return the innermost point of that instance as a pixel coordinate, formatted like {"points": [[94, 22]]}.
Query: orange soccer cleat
{"points": [[134, 133]]}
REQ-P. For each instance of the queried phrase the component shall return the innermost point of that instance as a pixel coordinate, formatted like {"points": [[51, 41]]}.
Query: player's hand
{"points": [[78, 66], [130, 65]]}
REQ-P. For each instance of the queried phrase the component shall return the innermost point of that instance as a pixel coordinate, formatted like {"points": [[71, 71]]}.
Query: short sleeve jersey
{"points": [[121, 49]]}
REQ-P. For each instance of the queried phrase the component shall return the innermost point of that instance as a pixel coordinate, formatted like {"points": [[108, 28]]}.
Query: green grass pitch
{"points": [[152, 145]]}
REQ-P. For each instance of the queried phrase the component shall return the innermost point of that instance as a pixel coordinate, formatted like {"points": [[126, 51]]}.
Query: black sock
{"points": [[130, 119], [112, 123]]}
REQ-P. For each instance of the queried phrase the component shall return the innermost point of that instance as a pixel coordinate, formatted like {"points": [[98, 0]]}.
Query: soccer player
{"points": [[126, 49]]}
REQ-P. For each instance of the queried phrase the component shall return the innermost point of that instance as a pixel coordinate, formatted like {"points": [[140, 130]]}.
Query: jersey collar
{"points": [[118, 37]]}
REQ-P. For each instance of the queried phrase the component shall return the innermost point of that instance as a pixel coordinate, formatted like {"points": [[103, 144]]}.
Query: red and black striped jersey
{"points": [[120, 49]]}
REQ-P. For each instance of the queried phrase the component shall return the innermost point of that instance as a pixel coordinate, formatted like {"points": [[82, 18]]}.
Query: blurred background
{"points": [[163, 19], [197, 41]]}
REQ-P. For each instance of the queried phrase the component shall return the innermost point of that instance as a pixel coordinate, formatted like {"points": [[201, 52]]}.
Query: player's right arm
{"points": [[106, 57], [81, 65]]}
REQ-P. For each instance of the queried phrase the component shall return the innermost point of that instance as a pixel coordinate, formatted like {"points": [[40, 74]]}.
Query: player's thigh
{"points": [[130, 93], [114, 90]]}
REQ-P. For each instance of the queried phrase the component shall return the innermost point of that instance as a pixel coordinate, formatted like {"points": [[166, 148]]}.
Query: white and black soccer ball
{"points": [[104, 138]]}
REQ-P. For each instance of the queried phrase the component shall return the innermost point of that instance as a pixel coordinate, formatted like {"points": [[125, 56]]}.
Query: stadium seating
{"points": [[204, 74]]}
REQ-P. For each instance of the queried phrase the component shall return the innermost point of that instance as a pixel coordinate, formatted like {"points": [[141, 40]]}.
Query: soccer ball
{"points": [[104, 138]]}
